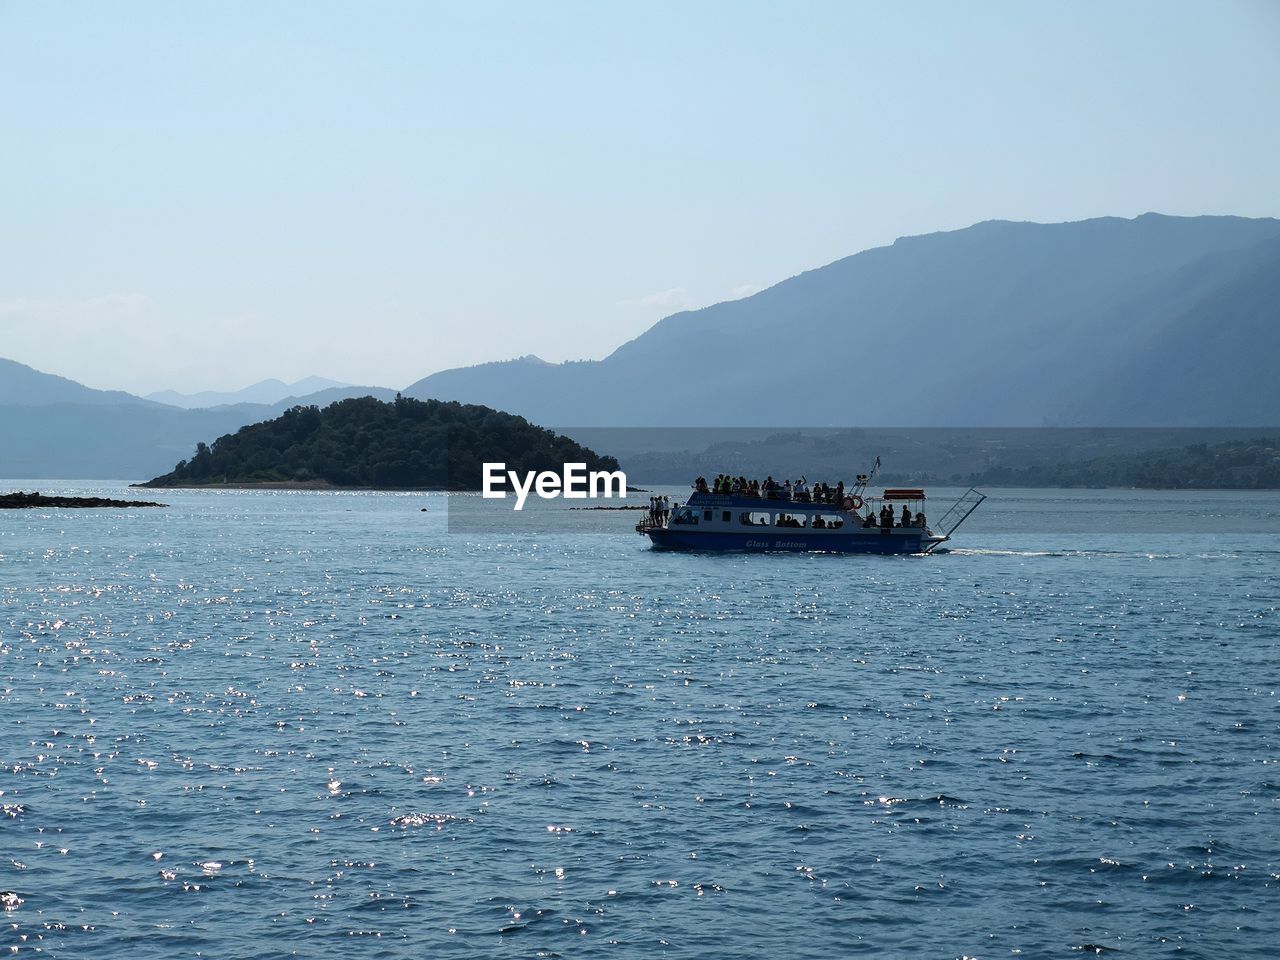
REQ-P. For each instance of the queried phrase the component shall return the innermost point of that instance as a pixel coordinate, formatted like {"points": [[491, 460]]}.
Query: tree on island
{"points": [[363, 442]]}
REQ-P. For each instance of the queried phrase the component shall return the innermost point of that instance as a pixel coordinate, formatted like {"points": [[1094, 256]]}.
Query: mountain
{"points": [[264, 391], [24, 386], [326, 396], [54, 427], [1156, 320], [364, 442], [1215, 357]]}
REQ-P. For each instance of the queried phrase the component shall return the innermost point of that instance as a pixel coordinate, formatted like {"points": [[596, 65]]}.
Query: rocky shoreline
{"points": [[21, 500]]}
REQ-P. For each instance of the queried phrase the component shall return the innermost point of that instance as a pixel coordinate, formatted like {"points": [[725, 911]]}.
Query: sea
{"points": [[326, 724]]}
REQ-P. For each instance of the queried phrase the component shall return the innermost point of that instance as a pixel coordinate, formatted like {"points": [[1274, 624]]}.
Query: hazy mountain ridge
{"points": [[268, 391], [998, 324], [100, 434], [1154, 321], [21, 385]]}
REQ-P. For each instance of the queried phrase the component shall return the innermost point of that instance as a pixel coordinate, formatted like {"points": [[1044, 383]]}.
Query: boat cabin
{"points": [[712, 512]]}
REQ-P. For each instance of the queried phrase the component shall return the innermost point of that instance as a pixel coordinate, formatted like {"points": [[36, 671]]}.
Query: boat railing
{"points": [[649, 523], [960, 511]]}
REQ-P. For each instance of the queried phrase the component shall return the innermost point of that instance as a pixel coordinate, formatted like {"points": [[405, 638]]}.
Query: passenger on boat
{"points": [[839, 491], [666, 509], [886, 516], [755, 488], [920, 521], [870, 520], [819, 523], [906, 516], [700, 484]]}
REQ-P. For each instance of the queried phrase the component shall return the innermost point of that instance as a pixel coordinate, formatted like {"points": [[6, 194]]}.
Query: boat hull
{"points": [[862, 540]]}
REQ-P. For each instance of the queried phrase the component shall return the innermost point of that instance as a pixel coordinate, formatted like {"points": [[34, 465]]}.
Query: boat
{"points": [[777, 521]]}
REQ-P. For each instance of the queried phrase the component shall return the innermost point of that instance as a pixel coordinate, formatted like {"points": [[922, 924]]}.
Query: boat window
{"points": [[706, 514], [685, 515], [725, 516], [791, 520], [828, 521], [755, 519]]}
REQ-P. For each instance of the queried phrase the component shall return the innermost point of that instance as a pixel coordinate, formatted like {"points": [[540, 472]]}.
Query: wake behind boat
{"points": [[741, 516]]}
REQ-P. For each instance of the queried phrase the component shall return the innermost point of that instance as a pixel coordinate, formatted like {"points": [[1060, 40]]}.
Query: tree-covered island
{"points": [[366, 443]]}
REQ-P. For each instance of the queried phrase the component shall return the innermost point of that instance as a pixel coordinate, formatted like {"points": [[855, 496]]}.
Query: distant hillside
{"points": [[322, 398], [24, 386], [57, 428], [264, 391], [367, 443], [1235, 464], [929, 456], [1160, 321]]}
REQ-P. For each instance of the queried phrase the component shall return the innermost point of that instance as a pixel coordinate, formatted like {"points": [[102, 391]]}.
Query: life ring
{"points": [[853, 503]]}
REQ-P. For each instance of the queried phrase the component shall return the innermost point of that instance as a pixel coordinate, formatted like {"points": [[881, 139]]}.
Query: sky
{"points": [[199, 196]]}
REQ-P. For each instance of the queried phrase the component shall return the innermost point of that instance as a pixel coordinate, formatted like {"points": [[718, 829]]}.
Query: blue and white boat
{"points": [[858, 524]]}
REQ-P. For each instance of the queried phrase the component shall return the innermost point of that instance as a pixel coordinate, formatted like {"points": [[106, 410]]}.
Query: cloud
{"points": [[676, 298]]}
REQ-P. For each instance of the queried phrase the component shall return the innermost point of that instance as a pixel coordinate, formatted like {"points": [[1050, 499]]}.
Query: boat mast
{"points": [[864, 479]]}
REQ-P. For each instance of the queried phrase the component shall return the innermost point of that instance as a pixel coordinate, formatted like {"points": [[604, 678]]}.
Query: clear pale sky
{"points": [[198, 196]]}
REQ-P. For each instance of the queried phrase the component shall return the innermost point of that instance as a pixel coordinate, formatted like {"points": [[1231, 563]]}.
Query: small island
{"points": [[365, 443], [34, 500]]}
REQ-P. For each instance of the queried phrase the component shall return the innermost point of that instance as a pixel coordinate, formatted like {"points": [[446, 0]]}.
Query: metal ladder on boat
{"points": [[957, 515]]}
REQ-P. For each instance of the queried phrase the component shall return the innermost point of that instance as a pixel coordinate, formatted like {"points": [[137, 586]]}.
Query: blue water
{"points": [[270, 724]]}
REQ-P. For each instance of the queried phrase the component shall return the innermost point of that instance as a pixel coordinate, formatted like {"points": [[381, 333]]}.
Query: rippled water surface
{"points": [[263, 724]]}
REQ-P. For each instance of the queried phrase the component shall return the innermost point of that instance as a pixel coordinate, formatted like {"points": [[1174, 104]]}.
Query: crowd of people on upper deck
{"points": [[769, 489], [801, 491]]}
